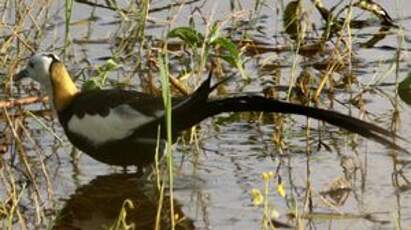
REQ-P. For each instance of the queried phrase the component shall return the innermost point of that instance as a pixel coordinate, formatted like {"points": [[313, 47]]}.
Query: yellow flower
{"points": [[258, 198], [281, 189], [267, 175]]}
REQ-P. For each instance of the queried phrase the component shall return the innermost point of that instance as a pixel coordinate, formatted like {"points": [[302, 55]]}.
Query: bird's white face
{"points": [[38, 69]]}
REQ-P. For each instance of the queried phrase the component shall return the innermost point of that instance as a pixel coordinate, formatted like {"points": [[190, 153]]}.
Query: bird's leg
{"points": [[140, 171], [124, 169]]}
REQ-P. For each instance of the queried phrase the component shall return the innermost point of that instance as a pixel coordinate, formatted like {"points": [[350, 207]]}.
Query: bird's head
{"points": [[50, 72], [38, 69]]}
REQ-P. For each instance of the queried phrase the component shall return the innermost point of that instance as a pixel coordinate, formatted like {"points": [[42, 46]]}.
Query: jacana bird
{"points": [[120, 127]]}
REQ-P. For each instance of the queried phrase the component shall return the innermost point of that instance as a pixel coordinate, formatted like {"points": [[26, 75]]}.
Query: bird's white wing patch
{"points": [[118, 124]]}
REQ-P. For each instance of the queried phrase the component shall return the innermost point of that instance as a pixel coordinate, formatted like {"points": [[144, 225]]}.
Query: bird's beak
{"points": [[20, 75]]}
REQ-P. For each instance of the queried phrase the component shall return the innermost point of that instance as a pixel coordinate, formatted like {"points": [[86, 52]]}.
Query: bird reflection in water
{"points": [[97, 205]]}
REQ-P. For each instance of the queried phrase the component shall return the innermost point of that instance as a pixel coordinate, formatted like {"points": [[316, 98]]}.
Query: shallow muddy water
{"points": [[214, 176]]}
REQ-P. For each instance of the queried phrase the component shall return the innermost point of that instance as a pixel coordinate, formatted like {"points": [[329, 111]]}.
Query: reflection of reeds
{"points": [[36, 182]]}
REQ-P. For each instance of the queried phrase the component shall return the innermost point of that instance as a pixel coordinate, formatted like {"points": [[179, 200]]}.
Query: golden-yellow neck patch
{"points": [[64, 88]]}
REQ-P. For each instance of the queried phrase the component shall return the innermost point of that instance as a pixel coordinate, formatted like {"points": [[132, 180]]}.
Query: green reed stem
{"points": [[68, 12], [165, 88]]}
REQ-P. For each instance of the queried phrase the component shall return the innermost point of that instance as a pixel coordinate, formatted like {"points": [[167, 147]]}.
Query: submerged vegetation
{"points": [[350, 56]]}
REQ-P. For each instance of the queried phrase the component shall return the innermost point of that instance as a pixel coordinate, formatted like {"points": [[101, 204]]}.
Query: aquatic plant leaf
{"points": [[111, 65], [228, 45], [232, 55], [99, 80], [187, 34], [404, 89], [229, 59], [91, 84], [291, 17], [214, 33]]}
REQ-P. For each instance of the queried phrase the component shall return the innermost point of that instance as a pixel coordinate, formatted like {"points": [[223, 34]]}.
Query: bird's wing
{"points": [[101, 101], [108, 115]]}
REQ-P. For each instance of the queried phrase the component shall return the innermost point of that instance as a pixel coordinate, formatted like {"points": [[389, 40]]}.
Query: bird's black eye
{"points": [[31, 65]]}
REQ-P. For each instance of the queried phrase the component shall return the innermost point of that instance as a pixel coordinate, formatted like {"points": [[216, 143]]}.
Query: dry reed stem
{"points": [[7, 104]]}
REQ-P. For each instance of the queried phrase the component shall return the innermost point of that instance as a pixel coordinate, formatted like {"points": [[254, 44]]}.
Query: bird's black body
{"points": [[139, 147], [118, 152]]}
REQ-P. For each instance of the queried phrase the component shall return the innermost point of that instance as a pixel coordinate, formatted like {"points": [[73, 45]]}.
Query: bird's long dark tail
{"points": [[262, 104], [198, 107]]}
